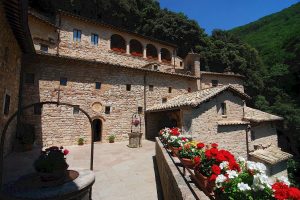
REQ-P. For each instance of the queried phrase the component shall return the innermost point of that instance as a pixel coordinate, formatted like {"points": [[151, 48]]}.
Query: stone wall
{"points": [[60, 125], [263, 134], [173, 183], [223, 79], [202, 122], [10, 66], [43, 33]]}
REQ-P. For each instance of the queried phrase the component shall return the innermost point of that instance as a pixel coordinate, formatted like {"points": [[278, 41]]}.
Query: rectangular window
{"points": [[223, 109], [180, 64], [6, 104], [76, 35], [128, 87], [29, 78], [170, 89], [63, 81], [107, 109], [164, 100], [214, 83], [94, 39], [151, 87], [98, 85], [189, 90], [140, 110], [37, 109], [75, 110], [44, 48]]}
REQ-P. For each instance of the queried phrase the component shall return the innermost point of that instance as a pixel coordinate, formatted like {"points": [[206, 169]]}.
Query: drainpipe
{"points": [[145, 101], [58, 34], [248, 129]]}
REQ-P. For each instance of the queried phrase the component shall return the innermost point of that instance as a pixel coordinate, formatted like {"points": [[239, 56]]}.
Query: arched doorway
{"points": [[97, 130]]}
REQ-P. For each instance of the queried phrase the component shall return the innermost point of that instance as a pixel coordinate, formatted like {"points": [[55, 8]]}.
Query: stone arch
{"points": [[151, 51], [165, 55], [136, 48], [117, 43]]}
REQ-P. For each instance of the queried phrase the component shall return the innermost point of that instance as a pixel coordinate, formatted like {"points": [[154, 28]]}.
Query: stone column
{"points": [[127, 46], [159, 55], [144, 51]]}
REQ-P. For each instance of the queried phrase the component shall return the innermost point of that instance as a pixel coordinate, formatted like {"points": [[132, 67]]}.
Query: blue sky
{"points": [[225, 14]]}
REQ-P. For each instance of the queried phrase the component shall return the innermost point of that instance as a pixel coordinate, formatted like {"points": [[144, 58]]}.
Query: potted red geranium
{"points": [[51, 164], [208, 169], [189, 155]]}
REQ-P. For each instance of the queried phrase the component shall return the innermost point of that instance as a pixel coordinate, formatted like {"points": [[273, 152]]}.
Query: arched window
{"points": [[165, 55], [117, 43], [136, 48], [151, 51]]}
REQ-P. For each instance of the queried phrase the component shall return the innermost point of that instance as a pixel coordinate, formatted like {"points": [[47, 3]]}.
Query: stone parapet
{"points": [[175, 186]]}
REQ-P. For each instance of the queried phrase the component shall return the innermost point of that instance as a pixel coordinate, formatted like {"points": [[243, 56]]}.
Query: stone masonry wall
{"points": [[265, 134], [206, 79], [58, 125], [10, 66], [85, 49], [43, 33], [202, 123]]}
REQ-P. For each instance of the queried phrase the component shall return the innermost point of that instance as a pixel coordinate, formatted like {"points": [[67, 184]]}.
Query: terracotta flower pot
{"points": [[175, 151], [204, 182], [53, 176], [189, 163]]}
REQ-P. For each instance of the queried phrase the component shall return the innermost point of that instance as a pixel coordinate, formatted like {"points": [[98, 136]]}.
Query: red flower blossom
{"points": [[281, 191], [216, 169], [200, 145], [197, 160], [233, 165], [220, 157], [179, 148], [175, 131], [208, 154], [294, 193], [213, 178], [66, 152], [187, 146], [214, 151], [214, 145]]}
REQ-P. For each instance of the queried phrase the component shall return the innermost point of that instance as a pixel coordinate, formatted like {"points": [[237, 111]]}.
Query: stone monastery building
{"points": [[113, 74]]}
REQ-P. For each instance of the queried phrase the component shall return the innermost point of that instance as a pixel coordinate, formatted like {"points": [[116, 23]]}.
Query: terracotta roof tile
{"points": [[195, 98], [255, 115]]}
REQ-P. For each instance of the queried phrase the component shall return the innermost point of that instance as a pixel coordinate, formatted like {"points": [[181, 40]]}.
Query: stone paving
{"points": [[122, 173]]}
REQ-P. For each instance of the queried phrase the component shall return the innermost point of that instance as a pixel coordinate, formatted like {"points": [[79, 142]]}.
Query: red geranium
{"points": [[175, 131], [197, 160], [220, 157], [213, 178], [214, 145], [281, 191], [66, 152], [200, 145], [187, 146], [214, 151], [216, 169], [294, 193], [208, 154], [233, 165]]}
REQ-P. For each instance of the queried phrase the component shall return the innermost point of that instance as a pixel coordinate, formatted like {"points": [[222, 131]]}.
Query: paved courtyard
{"points": [[122, 173]]}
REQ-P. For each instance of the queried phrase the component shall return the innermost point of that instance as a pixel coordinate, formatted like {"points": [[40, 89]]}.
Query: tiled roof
{"points": [[271, 155], [255, 115], [221, 74], [195, 98], [224, 123]]}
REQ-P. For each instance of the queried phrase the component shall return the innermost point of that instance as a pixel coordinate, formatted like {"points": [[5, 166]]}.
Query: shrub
{"points": [[80, 141]]}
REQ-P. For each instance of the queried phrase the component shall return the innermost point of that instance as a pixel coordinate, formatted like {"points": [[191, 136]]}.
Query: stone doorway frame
{"points": [[10, 119]]}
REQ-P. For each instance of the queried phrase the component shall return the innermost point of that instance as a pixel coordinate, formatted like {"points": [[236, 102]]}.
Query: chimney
{"points": [[192, 65]]}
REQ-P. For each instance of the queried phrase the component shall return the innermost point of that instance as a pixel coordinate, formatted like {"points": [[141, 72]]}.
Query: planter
{"points": [[204, 182], [53, 176], [189, 163], [175, 151], [135, 139]]}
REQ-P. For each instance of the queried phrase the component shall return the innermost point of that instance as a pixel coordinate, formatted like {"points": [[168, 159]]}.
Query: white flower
{"points": [[220, 179], [241, 159], [243, 186], [258, 167], [224, 164], [232, 174], [284, 179], [260, 181]]}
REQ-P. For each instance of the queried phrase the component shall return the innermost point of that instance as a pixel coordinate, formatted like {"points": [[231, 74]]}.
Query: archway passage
{"points": [[97, 130], [117, 43]]}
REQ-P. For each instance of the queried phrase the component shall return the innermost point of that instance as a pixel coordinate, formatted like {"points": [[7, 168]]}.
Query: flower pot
{"points": [[189, 163], [204, 182], [53, 176], [175, 151]]}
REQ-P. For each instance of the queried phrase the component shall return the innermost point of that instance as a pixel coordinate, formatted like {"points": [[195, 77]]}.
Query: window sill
{"points": [[224, 116]]}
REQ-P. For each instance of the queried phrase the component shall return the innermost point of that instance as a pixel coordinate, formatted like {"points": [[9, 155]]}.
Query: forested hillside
{"points": [[277, 39], [270, 64]]}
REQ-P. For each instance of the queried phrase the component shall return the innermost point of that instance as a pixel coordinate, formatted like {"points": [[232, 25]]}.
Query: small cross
{"points": [[58, 94]]}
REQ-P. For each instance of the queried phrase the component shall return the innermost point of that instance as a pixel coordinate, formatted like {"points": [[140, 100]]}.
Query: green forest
{"points": [[266, 51]]}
